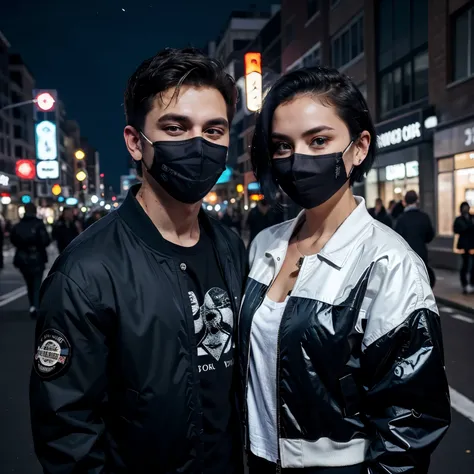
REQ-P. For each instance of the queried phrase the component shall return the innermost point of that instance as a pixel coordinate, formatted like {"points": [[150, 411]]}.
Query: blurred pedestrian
{"points": [[380, 214], [464, 227], [31, 239], [66, 229], [416, 228], [95, 217], [397, 209], [134, 371], [2, 239], [259, 218], [231, 219]]}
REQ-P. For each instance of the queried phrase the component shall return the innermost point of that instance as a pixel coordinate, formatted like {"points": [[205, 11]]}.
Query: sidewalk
{"points": [[448, 291]]}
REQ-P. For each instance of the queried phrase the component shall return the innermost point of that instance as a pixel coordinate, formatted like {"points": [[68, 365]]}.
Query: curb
{"points": [[453, 304]]}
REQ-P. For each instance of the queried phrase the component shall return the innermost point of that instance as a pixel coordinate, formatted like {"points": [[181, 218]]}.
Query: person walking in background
{"points": [[464, 227], [380, 214], [396, 209], [2, 239], [260, 218], [66, 229], [416, 228], [30, 238], [232, 220], [95, 217]]}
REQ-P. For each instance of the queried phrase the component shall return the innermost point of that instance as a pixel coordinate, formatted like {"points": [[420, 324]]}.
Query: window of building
{"points": [[348, 44], [404, 83], [334, 3], [17, 132], [2, 146], [312, 7], [16, 77], [463, 54], [402, 28], [238, 45], [311, 58], [19, 152]]}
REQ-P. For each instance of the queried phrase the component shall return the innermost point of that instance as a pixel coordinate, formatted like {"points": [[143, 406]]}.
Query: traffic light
{"points": [[45, 101], [80, 155], [253, 81]]}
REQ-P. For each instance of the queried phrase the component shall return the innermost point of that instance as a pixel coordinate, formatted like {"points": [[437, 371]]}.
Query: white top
{"points": [[261, 395]]}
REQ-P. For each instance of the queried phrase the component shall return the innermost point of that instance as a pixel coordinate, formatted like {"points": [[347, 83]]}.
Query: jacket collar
{"points": [[141, 225], [340, 245]]}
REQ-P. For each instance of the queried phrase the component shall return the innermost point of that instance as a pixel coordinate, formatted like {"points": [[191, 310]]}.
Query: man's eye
{"points": [[214, 131], [173, 129]]}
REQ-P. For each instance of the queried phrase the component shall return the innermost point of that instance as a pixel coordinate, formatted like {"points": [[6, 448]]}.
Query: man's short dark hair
{"points": [[174, 68], [411, 198], [30, 209]]}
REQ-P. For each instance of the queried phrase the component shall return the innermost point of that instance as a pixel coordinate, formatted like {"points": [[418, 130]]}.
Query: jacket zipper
{"points": [[278, 463]]}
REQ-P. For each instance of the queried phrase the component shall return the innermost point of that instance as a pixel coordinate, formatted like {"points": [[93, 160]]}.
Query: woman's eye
{"points": [[319, 141], [281, 148]]}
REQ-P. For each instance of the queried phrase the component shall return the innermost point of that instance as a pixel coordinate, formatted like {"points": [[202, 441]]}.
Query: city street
{"points": [[455, 454]]}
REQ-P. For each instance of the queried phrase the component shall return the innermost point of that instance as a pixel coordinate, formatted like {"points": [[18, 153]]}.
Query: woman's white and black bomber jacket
{"points": [[360, 365]]}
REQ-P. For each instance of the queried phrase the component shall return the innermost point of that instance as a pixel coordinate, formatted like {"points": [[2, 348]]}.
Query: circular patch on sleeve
{"points": [[53, 354]]}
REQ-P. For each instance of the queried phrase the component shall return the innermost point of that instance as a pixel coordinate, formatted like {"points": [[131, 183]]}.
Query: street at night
{"points": [[455, 453]]}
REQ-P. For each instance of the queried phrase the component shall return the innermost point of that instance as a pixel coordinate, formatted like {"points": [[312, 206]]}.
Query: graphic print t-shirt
{"points": [[213, 325]]}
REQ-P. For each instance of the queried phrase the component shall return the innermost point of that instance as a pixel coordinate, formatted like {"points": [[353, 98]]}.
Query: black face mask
{"points": [[187, 169], [311, 180]]}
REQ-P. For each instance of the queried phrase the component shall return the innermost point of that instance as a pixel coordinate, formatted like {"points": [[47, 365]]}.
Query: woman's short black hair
{"points": [[174, 68], [463, 205], [330, 85]]}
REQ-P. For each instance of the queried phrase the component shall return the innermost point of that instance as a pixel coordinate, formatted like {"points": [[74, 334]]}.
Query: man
{"points": [[133, 370], [380, 214], [31, 239], [416, 228], [66, 229]]}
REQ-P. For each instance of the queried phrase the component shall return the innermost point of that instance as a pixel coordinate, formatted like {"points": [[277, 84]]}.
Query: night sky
{"points": [[87, 53]]}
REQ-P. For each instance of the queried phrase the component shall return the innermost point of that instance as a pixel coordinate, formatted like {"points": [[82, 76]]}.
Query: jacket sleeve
{"points": [[407, 399], [43, 236], [68, 381], [430, 232]]}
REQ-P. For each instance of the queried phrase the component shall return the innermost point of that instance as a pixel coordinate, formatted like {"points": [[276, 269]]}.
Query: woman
{"points": [[464, 227], [341, 353], [31, 239]]}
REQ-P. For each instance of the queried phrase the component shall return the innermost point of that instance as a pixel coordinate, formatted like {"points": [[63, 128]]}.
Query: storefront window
{"points": [[397, 180], [454, 187], [445, 203], [371, 188]]}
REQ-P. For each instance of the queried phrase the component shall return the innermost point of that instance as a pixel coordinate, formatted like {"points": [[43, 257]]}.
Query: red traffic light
{"points": [[114, 198], [102, 175], [25, 169], [45, 101]]}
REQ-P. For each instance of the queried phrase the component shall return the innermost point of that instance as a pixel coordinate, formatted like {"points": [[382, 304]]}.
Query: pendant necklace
{"points": [[300, 261]]}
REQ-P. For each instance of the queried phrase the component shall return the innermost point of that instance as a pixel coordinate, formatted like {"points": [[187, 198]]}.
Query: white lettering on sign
{"points": [[469, 132], [394, 172], [399, 135], [4, 180]]}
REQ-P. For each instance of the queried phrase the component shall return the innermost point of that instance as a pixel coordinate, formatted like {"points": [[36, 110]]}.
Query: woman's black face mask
{"points": [[187, 169], [311, 180]]}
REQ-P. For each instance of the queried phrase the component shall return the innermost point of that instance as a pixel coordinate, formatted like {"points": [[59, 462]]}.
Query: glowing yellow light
{"points": [[80, 155], [240, 188], [81, 175], [212, 197], [56, 190]]}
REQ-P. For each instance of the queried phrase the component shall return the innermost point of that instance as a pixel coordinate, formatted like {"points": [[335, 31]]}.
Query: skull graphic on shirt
{"points": [[213, 322]]}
